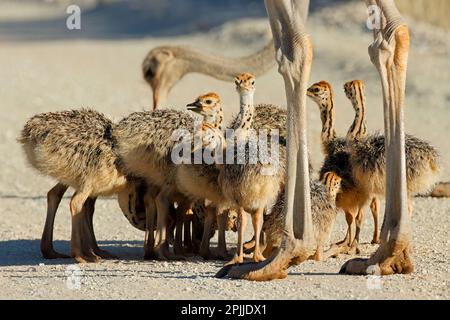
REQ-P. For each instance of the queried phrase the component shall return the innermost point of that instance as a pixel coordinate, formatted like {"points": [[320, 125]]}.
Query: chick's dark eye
{"points": [[316, 90], [253, 83], [208, 101]]}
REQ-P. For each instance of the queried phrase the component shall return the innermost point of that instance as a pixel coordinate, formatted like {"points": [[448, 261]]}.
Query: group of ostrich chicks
{"points": [[185, 204]]}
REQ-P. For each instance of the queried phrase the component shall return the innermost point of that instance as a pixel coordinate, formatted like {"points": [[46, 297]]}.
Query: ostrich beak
{"points": [[159, 95], [194, 106]]}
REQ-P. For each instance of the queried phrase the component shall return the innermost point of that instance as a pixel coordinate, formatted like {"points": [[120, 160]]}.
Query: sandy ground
{"points": [[104, 73]]}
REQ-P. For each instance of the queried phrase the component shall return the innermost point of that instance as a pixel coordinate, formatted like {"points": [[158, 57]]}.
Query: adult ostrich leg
{"points": [[389, 54], [294, 56]]}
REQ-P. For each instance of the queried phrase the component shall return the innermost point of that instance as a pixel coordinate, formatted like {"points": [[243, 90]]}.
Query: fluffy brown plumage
{"points": [[76, 148], [368, 157], [249, 186], [267, 116], [145, 143], [198, 182], [337, 159], [238, 179], [323, 210]]}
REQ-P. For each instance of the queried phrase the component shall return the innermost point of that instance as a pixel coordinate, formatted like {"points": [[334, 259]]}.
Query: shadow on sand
{"points": [[27, 252]]}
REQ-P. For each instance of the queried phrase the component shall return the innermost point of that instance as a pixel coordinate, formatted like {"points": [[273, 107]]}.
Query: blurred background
{"points": [[42, 19]]}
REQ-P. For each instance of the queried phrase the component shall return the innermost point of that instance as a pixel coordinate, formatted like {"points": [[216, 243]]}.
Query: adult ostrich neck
{"points": [[223, 68]]}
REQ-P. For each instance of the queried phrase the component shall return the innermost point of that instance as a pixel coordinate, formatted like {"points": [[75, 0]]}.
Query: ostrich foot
{"points": [[336, 250], [149, 252], [292, 252], [354, 249], [52, 254], [83, 257], [343, 242], [258, 257], [249, 246], [163, 253], [236, 260], [103, 254], [375, 241], [390, 258], [317, 256]]}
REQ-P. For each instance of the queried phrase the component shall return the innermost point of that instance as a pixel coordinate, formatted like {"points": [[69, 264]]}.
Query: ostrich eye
{"points": [[208, 101], [253, 82], [316, 90]]}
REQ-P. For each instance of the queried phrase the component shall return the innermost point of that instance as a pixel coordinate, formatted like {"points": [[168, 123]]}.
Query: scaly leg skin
{"points": [[222, 252], [90, 208], [150, 215], [80, 234], [197, 234], [54, 197], [257, 220], [389, 53], [268, 249], [188, 247], [359, 220], [263, 244], [181, 211], [171, 224], [239, 255], [391, 257], [334, 251], [88, 240], [343, 247], [249, 245], [162, 244], [410, 207], [375, 208], [209, 220], [318, 254], [348, 236]]}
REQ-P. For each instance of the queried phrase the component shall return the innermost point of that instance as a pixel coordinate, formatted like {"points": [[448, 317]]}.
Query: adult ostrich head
{"points": [[161, 69]]}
